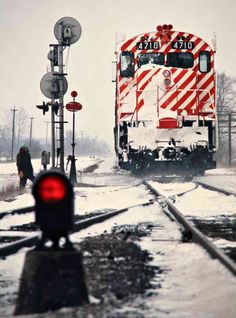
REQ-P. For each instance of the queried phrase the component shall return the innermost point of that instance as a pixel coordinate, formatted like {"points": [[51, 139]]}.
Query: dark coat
{"points": [[23, 162]]}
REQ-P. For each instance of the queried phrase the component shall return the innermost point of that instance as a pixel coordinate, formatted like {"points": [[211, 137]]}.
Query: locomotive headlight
{"points": [[167, 81], [166, 73]]}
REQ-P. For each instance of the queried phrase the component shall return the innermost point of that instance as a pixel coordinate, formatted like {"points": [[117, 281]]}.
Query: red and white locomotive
{"points": [[165, 113]]}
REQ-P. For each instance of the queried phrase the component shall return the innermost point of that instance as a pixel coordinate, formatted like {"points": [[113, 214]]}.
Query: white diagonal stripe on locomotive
{"points": [[207, 96], [126, 88], [207, 87], [178, 102], [147, 77], [182, 83], [190, 99]]}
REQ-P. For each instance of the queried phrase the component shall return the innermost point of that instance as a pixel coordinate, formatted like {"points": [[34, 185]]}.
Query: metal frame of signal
{"points": [[74, 107]]}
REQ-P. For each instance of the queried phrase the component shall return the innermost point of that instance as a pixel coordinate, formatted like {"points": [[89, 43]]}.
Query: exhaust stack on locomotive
{"points": [[165, 114]]}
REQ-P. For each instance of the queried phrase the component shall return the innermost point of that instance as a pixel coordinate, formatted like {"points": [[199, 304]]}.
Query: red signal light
{"points": [[74, 94], [52, 189]]}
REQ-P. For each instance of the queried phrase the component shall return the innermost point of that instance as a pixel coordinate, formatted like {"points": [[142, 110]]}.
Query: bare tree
{"points": [[226, 103], [226, 93], [22, 122]]}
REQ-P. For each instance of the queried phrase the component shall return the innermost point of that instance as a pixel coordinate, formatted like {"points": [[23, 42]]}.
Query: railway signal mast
{"points": [[54, 85], [73, 107]]}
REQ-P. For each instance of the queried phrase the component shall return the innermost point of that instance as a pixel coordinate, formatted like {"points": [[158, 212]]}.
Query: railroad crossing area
{"points": [[119, 246]]}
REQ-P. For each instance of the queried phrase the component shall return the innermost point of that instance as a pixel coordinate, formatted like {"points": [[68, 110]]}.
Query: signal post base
{"points": [[51, 280]]}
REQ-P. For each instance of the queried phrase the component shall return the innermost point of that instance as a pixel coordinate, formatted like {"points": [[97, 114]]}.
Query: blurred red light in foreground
{"points": [[52, 189]]}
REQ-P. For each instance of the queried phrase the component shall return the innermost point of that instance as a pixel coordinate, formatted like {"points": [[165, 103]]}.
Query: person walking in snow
{"points": [[24, 166]]}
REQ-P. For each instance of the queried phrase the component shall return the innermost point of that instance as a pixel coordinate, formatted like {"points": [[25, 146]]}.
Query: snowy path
{"points": [[193, 285]]}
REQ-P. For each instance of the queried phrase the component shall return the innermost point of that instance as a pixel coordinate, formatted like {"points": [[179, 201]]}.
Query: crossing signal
{"points": [[44, 107], [54, 207]]}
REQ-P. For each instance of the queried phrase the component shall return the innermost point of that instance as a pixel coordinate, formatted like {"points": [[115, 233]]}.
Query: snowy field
{"points": [[194, 285]]}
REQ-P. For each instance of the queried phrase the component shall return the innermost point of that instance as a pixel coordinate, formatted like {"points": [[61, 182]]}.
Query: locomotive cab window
{"points": [[127, 64], [182, 60], [204, 62], [150, 58]]}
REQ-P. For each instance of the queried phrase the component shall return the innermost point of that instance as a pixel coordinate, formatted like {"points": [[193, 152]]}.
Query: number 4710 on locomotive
{"points": [[165, 114]]}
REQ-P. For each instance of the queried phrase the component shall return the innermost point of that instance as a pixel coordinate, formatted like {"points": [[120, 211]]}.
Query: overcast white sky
{"points": [[27, 30]]}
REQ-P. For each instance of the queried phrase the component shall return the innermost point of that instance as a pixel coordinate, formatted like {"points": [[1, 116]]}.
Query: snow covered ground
{"points": [[193, 286], [223, 178]]}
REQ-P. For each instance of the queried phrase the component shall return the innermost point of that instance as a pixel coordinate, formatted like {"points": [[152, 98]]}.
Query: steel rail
{"points": [[17, 211], [31, 208], [214, 188], [12, 248], [196, 235]]}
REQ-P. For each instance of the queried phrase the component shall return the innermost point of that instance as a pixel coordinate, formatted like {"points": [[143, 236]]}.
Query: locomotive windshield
{"points": [[183, 60], [150, 58], [204, 62], [127, 64]]}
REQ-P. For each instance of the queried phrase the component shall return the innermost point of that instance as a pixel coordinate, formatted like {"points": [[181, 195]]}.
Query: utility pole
{"points": [[46, 137], [31, 127], [13, 131], [82, 141], [230, 144], [226, 130]]}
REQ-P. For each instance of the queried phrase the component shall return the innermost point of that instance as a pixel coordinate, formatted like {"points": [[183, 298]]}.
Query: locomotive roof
{"points": [[156, 36]]}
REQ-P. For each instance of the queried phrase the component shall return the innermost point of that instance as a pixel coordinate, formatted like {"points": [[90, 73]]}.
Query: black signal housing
{"points": [[54, 206]]}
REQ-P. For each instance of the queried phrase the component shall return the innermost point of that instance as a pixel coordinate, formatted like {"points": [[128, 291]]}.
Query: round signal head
{"points": [[166, 73], [74, 93], [159, 28], [51, 189], [165, 27], [170, 26]]}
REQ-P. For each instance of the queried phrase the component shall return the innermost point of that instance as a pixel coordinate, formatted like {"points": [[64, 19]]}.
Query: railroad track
{"points": [[214, 188], [23, 210], [12, 248], [189, 231]]}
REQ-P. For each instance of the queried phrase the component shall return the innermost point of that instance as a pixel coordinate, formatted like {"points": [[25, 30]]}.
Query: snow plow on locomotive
{"points": [[165, 114]]}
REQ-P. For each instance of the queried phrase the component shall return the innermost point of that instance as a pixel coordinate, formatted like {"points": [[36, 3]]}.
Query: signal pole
{"points": [[13, 131], [61, 101], [54, 85], [53, 57], [74, 107]]}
